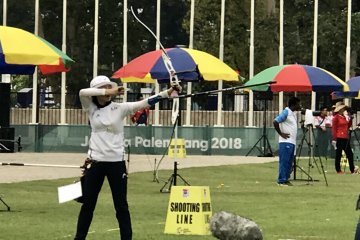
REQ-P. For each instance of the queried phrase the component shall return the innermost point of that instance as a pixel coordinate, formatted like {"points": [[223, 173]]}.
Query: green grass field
{"points": [[304, 211]]}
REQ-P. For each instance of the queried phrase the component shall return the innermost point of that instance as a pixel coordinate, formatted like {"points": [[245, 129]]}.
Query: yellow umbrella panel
{"points": [[19, 47]]}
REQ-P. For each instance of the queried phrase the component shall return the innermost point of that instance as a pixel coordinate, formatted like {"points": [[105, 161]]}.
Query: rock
{"points": [[227, 226]]}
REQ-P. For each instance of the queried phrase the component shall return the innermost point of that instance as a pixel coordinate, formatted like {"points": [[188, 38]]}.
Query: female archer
{"points": [[106, 150]]}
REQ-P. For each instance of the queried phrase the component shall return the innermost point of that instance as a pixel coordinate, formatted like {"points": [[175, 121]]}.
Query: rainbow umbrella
{"points": [[354, 89], [297, 78], [22, 51], [190, 65]]}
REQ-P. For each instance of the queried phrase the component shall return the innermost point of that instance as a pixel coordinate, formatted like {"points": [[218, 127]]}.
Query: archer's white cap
{"points": [[100, 81]]}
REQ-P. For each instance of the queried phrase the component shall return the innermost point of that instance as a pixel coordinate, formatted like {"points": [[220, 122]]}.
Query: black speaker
{"points": [[4, 104], [263, 95], [7, 139]]}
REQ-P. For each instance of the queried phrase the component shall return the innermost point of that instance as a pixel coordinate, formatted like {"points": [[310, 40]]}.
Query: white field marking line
{"points": [[114, 229], [302, 237], [67, 236]]}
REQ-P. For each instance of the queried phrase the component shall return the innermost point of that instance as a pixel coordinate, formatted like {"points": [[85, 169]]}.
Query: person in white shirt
{"points": [[286, 126], [106, 150]]}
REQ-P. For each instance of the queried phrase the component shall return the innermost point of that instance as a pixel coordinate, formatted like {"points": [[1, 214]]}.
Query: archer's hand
{"points": [[174, 90], [115, 91], [177, 88]]}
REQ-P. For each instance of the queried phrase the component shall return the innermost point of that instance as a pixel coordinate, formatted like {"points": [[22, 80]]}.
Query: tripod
{"points": [[308, 137], [353, 132], [265, 141], [172, 179], [7, 206], [7, 148]]}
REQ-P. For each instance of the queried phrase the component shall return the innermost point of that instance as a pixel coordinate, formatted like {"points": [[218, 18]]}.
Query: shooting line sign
{"points": [[189, 211]]}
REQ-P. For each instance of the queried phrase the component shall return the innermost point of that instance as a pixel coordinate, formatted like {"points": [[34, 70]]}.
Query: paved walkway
{"points": [[71, 163]]}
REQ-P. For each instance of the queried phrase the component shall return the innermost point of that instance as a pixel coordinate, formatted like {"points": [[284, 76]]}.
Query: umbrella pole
{"points": [[266, 142]]}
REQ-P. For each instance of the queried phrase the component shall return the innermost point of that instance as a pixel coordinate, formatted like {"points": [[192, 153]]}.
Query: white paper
{"points": [[69, 192]]}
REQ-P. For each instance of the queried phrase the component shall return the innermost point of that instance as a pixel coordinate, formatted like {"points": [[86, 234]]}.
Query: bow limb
{"points": [[174, 81], [164, 55], [147, 28], [173, 78]]}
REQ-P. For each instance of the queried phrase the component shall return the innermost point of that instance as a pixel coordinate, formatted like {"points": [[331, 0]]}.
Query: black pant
{"points": [[343, 144], [94, 179]]}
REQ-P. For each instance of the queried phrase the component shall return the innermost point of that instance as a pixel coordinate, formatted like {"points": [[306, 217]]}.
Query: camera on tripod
{"points": [[308, 117], [308, 111]]}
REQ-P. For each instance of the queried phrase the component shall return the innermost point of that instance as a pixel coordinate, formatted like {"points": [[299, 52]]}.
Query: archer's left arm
{"points": [[135, 106]]}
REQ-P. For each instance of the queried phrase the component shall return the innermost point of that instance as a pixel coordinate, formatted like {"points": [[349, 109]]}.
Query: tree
{"points": [[175, 16]]}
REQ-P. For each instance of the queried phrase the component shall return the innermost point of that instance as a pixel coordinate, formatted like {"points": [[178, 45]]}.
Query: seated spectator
{"points": [[141, 116]]}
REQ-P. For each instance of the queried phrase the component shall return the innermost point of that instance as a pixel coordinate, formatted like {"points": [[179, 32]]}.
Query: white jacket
{"points": [[107, 126]]}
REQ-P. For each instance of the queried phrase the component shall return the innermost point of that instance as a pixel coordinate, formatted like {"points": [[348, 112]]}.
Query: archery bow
{"points": [[173, 79]]}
